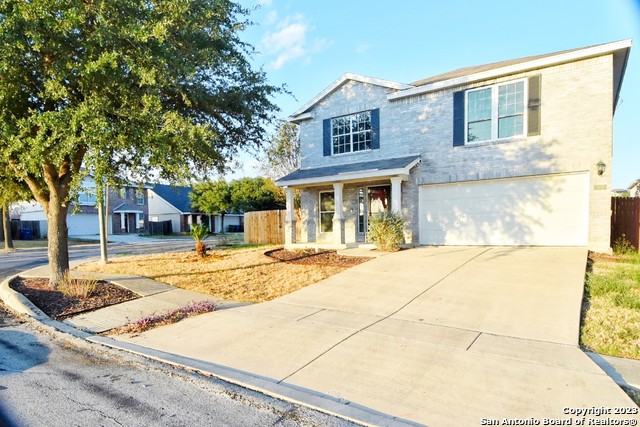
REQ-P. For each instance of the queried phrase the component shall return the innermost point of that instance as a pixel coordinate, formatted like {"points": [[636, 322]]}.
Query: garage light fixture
{"points": [[601, 167]]}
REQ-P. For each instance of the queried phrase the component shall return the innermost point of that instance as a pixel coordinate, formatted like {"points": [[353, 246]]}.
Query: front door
{"points": [[371, 201]]}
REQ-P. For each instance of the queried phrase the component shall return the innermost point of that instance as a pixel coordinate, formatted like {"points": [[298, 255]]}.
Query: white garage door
{"points": [[552, 210], [82, 224]]}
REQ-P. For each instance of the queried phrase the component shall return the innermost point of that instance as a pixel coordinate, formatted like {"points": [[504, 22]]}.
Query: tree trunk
{"points": [[6, 227], [58, 243], [222, 222]]}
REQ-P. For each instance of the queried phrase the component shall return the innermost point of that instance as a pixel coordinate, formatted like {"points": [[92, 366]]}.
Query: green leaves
{"points": [[242, 195], [143, 85]]}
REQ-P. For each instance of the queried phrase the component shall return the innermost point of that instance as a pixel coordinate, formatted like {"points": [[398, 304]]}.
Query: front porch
{"points": [[335, 206]]}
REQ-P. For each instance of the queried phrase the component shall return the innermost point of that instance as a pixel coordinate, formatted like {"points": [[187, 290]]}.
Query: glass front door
{"points": [[371, 201]]}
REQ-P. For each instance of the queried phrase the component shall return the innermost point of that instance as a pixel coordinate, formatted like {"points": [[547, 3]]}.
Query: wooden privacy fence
{"points": [[265, 227], [625, 220]]}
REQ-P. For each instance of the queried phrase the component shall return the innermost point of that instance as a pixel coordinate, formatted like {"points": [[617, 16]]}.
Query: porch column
{"points": [[122, 223], [290, 219], [338, 218], [396, 194]]}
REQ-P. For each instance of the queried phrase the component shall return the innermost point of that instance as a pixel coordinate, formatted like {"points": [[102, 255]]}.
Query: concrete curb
{"points": [[291, 393], [305, 397], [18, 302]]}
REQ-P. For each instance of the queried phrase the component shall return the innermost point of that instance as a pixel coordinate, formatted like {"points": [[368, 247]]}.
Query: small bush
{"points": [[77, 288], [623, 247], [199, 232], [386, 230]]}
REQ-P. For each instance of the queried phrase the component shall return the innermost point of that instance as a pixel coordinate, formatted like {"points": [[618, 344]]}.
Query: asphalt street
{"points": [[52, 379]]}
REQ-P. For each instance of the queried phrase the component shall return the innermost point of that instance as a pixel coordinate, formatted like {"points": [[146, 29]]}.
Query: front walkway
{"points": [[440, 336]]}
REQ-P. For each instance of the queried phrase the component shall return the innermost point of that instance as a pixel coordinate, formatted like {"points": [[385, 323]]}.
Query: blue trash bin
{"points": [[26, 234]]}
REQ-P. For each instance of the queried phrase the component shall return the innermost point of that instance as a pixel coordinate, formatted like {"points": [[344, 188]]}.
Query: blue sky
{"points": [[307, 44]]}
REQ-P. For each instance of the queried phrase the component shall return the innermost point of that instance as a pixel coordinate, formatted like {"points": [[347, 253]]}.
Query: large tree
{"points": [[11, 191], [256, 194], [213, 198], [282, 152], [121, 88]]}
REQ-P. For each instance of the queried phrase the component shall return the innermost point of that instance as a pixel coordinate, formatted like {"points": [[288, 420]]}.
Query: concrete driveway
{"points": [[437, 336]]}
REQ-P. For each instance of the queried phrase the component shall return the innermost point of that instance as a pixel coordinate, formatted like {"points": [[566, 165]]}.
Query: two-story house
{"points": [[510, 153], [127, 210]]}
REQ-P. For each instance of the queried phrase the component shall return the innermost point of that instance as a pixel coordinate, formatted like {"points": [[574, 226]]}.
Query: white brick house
{"points": [[510, 153]]}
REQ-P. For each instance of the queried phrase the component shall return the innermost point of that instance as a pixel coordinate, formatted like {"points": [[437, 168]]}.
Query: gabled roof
{"points": [[462, 76], [351, 171], [176, 196], [299, 114], [126, 208]]}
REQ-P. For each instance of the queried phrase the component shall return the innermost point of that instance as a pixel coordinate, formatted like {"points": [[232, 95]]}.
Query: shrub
{"points": [[623, 247], [386, 230]]}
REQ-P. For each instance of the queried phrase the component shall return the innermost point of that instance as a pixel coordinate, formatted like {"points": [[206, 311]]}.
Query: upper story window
{"points": [[495, 112], [351, 133], [87, 197], [139, 197]]}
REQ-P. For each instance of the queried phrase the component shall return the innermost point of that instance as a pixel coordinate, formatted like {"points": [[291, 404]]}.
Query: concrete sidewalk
{"points": [[436, 336], [156, 298]]}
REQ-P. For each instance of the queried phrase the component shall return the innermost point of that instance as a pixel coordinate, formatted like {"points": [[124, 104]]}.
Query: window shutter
{"points": [[375, 129], [458, 118], [533, 114], [326, 137]]}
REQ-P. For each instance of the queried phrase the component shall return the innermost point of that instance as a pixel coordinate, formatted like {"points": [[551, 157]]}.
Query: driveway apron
{"points": [[434, 335]]}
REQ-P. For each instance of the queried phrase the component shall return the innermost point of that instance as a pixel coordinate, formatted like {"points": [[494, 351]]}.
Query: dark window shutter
{"points": [[458, 118], [533, 114], [326, 137], [375, 129]]}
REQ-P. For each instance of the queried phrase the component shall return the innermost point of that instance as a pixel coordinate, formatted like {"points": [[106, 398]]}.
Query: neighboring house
{"points": [[620, 192], [127, 211], [511, 153], [634, 188], [172, 203]]}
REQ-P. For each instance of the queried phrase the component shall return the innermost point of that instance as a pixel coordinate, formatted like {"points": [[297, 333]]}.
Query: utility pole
{"points": [[101, 199]]}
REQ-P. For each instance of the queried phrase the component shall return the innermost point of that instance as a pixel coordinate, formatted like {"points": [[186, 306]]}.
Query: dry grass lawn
{"points": [[611, 322], [245, 275]]}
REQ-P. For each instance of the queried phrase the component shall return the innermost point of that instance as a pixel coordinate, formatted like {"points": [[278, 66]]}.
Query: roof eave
{"points": [[339, 82], [351, 176], [516, 68]]}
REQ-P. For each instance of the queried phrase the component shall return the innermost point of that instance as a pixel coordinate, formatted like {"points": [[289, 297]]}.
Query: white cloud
{"points": [[271, 17], [264, 2], [362, 48], [289, 41]]}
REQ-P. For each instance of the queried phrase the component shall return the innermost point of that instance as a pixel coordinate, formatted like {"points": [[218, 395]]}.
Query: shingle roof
{"points": [[128, 208], [176, 196], [330, 171], [461, 72]]}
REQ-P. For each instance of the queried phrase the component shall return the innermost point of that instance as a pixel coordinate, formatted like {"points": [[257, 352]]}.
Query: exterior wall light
{"points": [[601, 167]]}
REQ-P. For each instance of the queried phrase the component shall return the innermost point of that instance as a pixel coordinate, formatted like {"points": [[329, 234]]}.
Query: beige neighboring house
{"points": [[172, 203], [511, 153], [634, 188]]}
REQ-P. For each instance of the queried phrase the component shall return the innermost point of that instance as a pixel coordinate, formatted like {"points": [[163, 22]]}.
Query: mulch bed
{"points": [[310, 256], [58, 306]]}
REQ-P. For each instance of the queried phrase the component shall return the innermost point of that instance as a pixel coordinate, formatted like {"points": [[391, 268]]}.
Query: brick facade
{"points": [[576, 133]]}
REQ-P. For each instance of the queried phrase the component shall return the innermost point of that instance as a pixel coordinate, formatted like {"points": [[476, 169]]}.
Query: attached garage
{"points": [[550, 210]]}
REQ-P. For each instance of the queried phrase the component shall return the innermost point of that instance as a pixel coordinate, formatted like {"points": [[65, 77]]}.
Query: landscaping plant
{"points": [[386, 230], [77, 288], [200, 232]]}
